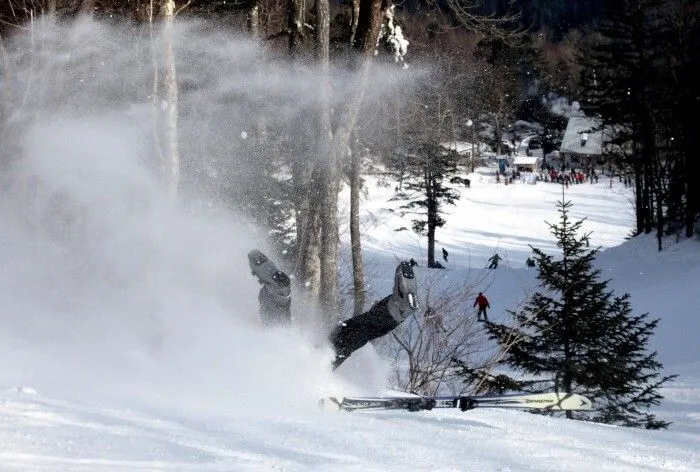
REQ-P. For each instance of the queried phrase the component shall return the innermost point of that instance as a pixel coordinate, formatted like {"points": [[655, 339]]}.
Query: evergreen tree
{"points": [[575, 335], [432, 176], [618, 86], [638, 77]]}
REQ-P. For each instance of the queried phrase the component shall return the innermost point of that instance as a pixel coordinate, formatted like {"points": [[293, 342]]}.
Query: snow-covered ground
{"points": [[91, 381], [129, 333]]}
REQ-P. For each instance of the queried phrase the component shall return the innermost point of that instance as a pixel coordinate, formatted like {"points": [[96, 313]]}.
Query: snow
{"points": [[230, 396], [526, 160], [582, 137], [463, 148], [130, 340]]}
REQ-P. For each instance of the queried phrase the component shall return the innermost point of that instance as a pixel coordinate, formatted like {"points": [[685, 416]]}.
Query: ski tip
{"points": [[330, 404], [583, 403], [570, 401]]}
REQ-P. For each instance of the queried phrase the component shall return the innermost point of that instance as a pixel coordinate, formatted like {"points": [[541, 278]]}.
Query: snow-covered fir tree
{"points": [[574, 335]]}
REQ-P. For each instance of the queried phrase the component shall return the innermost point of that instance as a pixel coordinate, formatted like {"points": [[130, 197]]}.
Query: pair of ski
{"points": [[543, 401]]}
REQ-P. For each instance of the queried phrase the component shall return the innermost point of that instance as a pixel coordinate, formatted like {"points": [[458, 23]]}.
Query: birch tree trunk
{"points": [[295, 24], [366, 44], [169, 102], [313, 203], [318, 248], [327, 162], [354, 20], [254, 20]]}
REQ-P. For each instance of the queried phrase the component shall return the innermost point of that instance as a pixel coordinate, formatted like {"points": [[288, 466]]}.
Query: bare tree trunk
{"points": [[638, 193], [369, 22], [308, 270], [318, 248], [310, 267], [354, 19], [358, 267], [327, 161], [432, 215], [254, 20], [155, 98], [306, 236], [169, 97], [322, 35], [295, 23], [499, 140], [366, 44], [328, 292]]}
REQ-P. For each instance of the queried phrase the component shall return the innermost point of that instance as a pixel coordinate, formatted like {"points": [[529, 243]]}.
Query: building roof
{"points": [[583, 136], [526, 160], [461, 147]]}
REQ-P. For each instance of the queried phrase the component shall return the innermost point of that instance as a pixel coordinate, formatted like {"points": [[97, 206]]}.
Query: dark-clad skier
{"points": [[352, 334], [275, 297], [494, 261], [383, 317]]}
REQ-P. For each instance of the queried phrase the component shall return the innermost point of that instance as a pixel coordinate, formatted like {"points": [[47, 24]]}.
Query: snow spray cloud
{"points": [[562, 106], [107, 288]]}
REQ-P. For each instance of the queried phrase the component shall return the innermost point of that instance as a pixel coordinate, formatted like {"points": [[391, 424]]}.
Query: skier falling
{"points": [[352, 334], [275, 297], [384, 316]]}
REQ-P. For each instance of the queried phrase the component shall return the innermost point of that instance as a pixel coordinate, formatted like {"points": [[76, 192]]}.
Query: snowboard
{"points": [[546, 401]]}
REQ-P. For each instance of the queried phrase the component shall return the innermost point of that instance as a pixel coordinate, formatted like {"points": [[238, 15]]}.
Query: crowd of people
{"points": [[568, 176], [565, 176]]}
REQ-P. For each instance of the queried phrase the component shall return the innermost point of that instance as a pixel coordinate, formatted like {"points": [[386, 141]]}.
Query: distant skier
{"points": [[275, 296], [483, 304], [494, 261], [382, 318], [444, 254]]}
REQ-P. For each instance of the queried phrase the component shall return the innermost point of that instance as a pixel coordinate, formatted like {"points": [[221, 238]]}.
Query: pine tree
{"points": [[431, 183], [638, 76], [575, 335], [618, 86]]}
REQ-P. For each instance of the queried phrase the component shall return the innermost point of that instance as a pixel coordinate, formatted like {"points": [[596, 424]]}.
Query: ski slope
{"points": [[41, 434], [203, 387], [129, 333]]}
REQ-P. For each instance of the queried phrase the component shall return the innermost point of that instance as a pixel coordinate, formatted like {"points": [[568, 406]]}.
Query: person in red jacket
{"points": [[483, 303]]}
